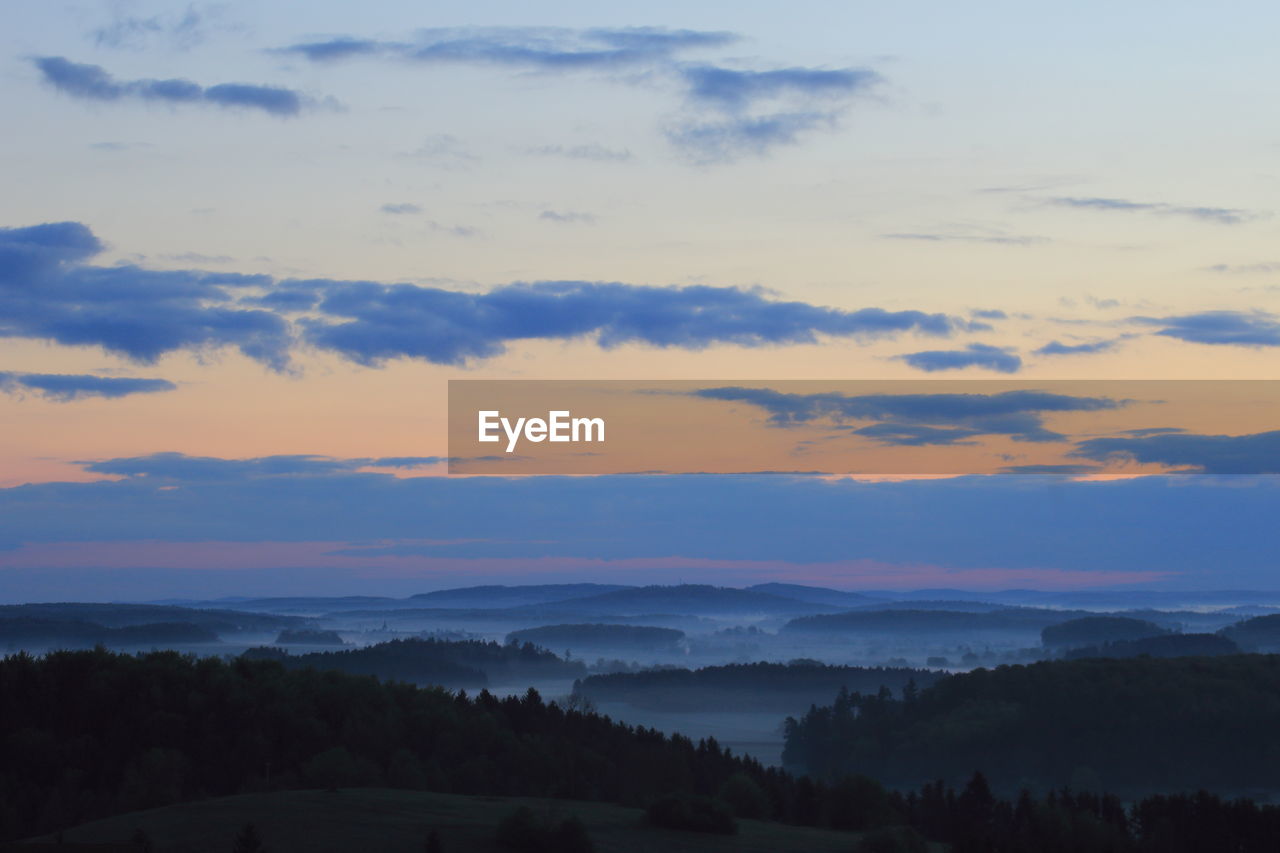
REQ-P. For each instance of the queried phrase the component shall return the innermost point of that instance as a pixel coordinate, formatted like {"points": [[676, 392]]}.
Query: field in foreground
{"points": [[355, 820]]}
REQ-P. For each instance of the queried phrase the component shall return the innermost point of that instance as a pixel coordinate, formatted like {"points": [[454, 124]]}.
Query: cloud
{"points": [[401, 208], [732, 112], [568, 217], [178, 467], [341, 47], [989, 314], [728, 112], [994, 239], [454, 230], [1246, 269], [919, 419], [1220, 215], [1225, 328], [378, 322], [543, 48], [183, 30], [67, 387], [1057, 470], [93, 82], [590, 151], [445, 150], [49, 292], [974, 355], [722, 140], [1058, 348], [1258, 453], [735, 91]]}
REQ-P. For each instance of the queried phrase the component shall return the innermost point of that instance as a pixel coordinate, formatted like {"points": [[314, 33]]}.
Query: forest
{"points": [[94, 733], [1132, 726]]}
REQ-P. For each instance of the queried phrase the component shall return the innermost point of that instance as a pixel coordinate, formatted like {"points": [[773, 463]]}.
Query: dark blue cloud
{"points": [[93, 82], [1230, 328], [917, 435], [735, 90], [1058, 348], [66, 387], [919, 419], [341, 47], [787, 408], [1221, 215], [974, 355], [547, 48], [48, 292], [376, 322], [1258, 453], [989, 314]]}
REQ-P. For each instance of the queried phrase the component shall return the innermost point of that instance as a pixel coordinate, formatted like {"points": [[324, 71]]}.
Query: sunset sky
{"points": [[243, 248]]}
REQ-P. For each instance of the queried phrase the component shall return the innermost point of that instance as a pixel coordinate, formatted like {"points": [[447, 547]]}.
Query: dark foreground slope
{"points": [[1131, 726], [388, 821]]}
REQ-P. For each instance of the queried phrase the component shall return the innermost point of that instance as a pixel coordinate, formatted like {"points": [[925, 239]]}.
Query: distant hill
{"points": [[1096, 630], [121, 615], [1260, 634], [814, 594], [29, 633], [306, 605], [497, 596], [1014, 619], [596, 636], [958, 606], [693, 599]]}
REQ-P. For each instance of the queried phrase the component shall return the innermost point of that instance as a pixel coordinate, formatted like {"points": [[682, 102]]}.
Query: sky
{"points": [[244, 247]]}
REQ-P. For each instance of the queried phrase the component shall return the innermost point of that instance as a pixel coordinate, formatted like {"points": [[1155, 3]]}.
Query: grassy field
{"points": [[386, 821]]}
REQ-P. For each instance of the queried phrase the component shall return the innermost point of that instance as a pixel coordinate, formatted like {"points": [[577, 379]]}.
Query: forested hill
{"points": [[1132, 725], [746, 686], [447, 663]]}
